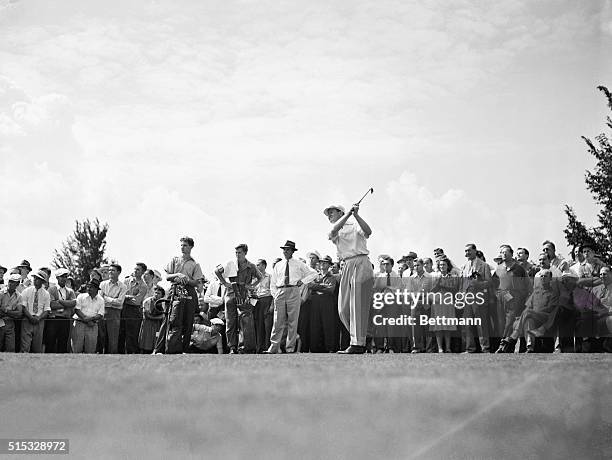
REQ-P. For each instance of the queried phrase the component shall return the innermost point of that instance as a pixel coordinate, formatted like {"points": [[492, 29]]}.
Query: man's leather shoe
{"points": [[233, 351], [353, 350], [506, 346]]}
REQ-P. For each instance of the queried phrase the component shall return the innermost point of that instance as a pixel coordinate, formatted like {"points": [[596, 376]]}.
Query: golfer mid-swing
{"points": [[357, 279]]}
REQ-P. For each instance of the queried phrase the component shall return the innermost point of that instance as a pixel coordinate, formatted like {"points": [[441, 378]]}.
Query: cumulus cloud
{"points": [[241, 122], [21, 115]]}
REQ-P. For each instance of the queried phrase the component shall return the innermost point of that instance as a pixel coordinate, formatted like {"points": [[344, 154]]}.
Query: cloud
{"points": [[240, 122], [22, 115], [422, 219]]}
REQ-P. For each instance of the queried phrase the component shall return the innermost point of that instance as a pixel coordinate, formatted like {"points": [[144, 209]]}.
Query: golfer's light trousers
{"points": [[355, 298]]}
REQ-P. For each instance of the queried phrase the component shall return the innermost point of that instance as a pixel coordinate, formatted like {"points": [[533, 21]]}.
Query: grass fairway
{"points": [[312, 406]]}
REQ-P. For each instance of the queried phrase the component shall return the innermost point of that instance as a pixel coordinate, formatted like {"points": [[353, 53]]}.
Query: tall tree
{"points": [[83, 250], [599, 183]]}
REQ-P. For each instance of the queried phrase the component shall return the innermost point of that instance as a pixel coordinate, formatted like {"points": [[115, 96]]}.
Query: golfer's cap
{"points": [[339, 207], [313, 253], [15, 278]]}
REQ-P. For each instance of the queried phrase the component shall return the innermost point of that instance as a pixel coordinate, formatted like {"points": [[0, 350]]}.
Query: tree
{"points": [[599, 183], [83, 250]]}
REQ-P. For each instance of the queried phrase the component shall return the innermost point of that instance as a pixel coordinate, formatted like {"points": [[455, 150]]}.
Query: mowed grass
{"points": [[312, 406]]}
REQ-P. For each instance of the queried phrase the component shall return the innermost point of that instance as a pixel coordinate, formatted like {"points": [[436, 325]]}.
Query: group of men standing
{"points": [[313, 306], [547, 306]]}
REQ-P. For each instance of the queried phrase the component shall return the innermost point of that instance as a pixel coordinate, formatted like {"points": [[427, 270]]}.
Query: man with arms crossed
{"points": [[63, 300], [113, 292], [11, 306]]}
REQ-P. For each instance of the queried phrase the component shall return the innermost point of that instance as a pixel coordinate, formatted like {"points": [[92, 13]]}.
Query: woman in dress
{"points": [[152, 321], [444, 306]]}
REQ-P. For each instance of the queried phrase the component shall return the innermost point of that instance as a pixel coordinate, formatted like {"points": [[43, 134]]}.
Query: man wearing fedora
{"points": [[357, 280], [285, 281], [11, 306], [36, 307], [24, 270], [88, 311], [63, 300]]}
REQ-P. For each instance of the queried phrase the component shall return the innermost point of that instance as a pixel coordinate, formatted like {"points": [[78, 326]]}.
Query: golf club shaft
{"points": [[370, 190]]}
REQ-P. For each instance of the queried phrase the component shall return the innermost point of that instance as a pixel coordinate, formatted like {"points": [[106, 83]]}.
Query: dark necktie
{"points": [[388, 279], [35, 304], [219, 291], [287, 274]]}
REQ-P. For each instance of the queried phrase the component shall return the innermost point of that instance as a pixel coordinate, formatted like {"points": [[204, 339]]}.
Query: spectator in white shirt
{"points": [[285, 281], [88, 311], [36, 307], [214, 297], [264, 308]]}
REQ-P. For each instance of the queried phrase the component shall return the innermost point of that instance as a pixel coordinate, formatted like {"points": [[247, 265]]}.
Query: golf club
{"points": [[370, 190]]}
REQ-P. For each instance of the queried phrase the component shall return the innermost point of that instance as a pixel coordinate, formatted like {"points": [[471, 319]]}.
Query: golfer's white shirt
{"points": [[350, 241]]}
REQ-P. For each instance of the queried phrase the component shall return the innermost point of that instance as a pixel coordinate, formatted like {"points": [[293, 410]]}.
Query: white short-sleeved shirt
{"points": [[88, 306], [350, 241], [44, 300]]}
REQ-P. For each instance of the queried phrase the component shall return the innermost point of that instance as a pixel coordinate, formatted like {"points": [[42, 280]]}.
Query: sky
{"points": [[240, 121]]}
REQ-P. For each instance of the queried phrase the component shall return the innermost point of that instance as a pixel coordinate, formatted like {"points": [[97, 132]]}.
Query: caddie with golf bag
{"points": [[243, 276], [184, 273]]}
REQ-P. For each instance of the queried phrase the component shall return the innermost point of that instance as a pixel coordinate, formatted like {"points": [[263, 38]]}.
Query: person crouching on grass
{"points": [[88, 310], [152, 314], [207, 339]]}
